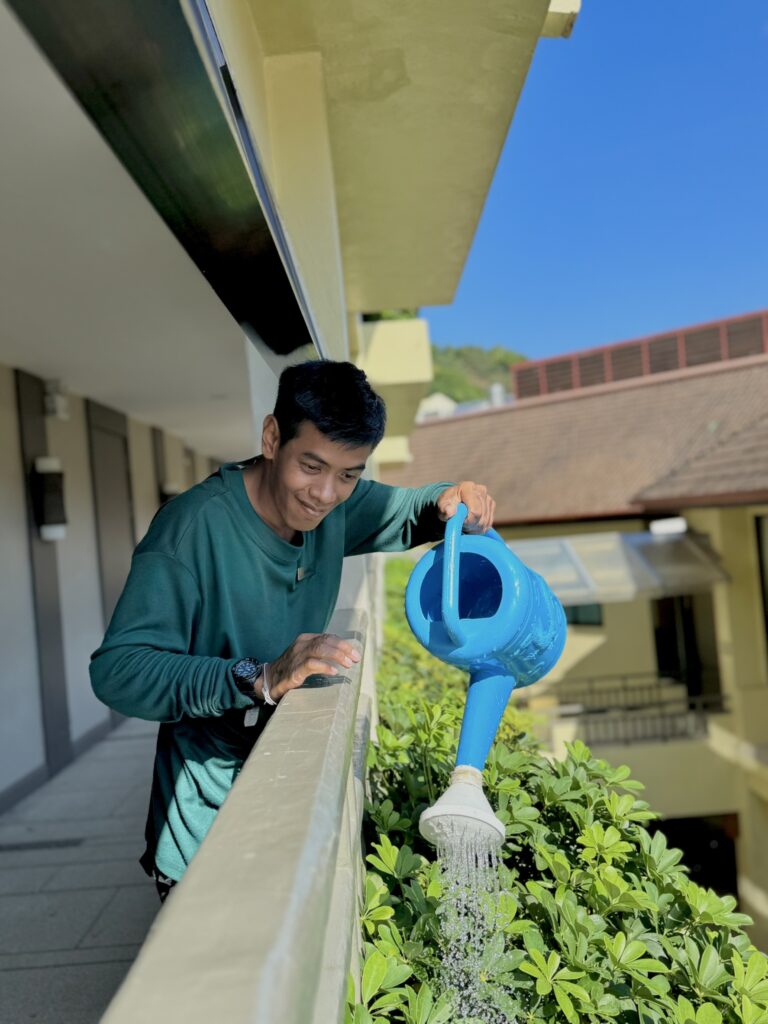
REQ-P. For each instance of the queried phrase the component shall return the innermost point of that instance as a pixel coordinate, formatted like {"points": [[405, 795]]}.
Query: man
{"points": [[230, 593]]}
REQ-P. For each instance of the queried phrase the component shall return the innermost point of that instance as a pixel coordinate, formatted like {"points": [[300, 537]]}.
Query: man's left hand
{"points": [[480, 505]]}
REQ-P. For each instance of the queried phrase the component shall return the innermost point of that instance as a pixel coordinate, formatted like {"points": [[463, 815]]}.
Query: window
{"points": [[584, 615]]}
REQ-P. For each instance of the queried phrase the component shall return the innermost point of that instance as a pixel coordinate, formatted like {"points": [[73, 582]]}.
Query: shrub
{"points": [[598, 920]]}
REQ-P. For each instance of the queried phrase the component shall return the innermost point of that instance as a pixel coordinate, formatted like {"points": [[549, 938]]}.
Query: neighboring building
{"points": [[438, 405], [666, 665], [435, 406]]}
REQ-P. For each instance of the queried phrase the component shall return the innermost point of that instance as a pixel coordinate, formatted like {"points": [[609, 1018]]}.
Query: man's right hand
{"points": [[310, 654]]}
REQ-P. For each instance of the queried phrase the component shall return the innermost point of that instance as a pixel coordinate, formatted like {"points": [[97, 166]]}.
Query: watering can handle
{"points": [[451, 555], [450, 609]]}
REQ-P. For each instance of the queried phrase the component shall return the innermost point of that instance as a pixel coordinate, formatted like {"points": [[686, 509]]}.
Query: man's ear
{"points": [[270, 437]]}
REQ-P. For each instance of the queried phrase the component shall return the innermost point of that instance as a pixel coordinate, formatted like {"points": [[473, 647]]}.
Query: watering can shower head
{"points": [[472, 603], [463, 811]]}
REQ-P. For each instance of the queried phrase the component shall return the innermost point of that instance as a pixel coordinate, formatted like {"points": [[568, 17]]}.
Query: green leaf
{"points": [[424, 1002], [565, 1004], [374, 972], [708, 1014], [387, 856], [389, 1000], [757, 966], [397, 973], [710, 966]]}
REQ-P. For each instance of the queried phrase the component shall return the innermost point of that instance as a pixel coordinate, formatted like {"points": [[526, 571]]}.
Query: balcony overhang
{"points": [[604, 568], [419, 100], [397, 357]]}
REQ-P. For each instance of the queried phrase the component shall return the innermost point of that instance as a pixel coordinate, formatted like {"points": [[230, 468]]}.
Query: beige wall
{"points": [[683, 779], [175, 465], [263, 382], [143, 481], [77, 556], [202, 467], [742, 735], [629, 646], [307, 201], [752, 862], [397, 357], [283, 98], [21, 735], [739, 621]]}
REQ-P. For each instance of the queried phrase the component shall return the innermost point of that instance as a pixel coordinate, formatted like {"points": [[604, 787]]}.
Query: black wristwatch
{"points": [[246, 673]]}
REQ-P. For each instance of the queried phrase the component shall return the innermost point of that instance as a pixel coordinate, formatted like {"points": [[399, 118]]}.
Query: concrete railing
{"points": [[260, 929]]}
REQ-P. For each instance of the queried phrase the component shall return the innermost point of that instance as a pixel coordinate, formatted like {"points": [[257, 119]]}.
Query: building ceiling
{"points": [[96, 290], [420, 97]]}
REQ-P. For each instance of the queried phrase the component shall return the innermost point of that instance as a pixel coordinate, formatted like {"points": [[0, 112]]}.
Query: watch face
{"points": [[246, 669]]}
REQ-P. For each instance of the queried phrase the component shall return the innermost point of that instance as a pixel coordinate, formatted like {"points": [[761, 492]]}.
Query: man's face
{"points": [[313, 475]]}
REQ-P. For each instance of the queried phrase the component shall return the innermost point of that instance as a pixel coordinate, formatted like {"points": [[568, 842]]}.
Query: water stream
{"points": [[468, 921]]}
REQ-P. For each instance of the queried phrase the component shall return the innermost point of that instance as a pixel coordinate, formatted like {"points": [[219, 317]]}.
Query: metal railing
{"points": [[636, 708]]}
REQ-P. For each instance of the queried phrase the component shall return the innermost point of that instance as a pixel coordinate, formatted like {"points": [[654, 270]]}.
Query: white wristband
{"points": [[265, 687]]}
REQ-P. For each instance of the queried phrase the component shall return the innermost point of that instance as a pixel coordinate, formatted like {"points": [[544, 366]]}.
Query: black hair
{"points": [[336, 397]]}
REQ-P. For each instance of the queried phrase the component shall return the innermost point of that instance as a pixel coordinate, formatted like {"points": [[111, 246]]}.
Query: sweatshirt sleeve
{"points": [[383, 518], [143, 667]]}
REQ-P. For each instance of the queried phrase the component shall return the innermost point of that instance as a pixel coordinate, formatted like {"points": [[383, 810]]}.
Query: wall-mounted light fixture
{"points": [[47, 492]]}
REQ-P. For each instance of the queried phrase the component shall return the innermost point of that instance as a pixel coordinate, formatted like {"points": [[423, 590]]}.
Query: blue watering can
{"points": [[472, 603]]}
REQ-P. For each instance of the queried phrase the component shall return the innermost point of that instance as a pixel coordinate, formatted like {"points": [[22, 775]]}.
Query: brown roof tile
{"points": [[735, 466], [584, 455]]}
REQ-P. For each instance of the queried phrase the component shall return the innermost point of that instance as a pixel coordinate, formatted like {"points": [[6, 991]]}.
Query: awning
{"points": [[602, 568]]}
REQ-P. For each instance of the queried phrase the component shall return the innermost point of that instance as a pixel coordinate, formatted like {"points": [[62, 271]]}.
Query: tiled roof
{"points": [[589, 454], [736, 465]]}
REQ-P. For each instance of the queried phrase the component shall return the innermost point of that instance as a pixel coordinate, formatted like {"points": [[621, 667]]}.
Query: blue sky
{"points": [[632, 191]]}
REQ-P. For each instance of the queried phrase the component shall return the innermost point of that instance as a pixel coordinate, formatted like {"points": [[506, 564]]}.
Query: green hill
{"points": [[466, 372]]}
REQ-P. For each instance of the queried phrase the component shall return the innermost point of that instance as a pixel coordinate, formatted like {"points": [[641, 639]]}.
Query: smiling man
{"points": [[231, 591]]}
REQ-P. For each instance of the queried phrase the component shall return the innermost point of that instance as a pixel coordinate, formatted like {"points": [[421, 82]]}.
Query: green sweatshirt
{"points": [[210, 584]]}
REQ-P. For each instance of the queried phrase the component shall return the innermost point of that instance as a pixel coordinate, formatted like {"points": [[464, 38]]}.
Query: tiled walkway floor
{"points": [[74, 903]]}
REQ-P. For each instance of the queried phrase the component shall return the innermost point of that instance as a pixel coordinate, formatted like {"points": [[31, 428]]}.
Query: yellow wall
{"points": [[283, 99], [739, 622], [741, 737], [397, 357], [629, 647], [305, 190], [682, 778]]}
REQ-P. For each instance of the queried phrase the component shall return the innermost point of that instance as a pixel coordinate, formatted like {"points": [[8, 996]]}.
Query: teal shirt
{"points": [[209, 584]]}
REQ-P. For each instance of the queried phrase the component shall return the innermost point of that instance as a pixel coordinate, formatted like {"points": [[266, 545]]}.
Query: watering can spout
{"points": [[487, 698], [472, 603]]}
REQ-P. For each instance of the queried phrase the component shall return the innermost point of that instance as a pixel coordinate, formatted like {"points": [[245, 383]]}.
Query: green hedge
{"points": [[599, 921]]}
